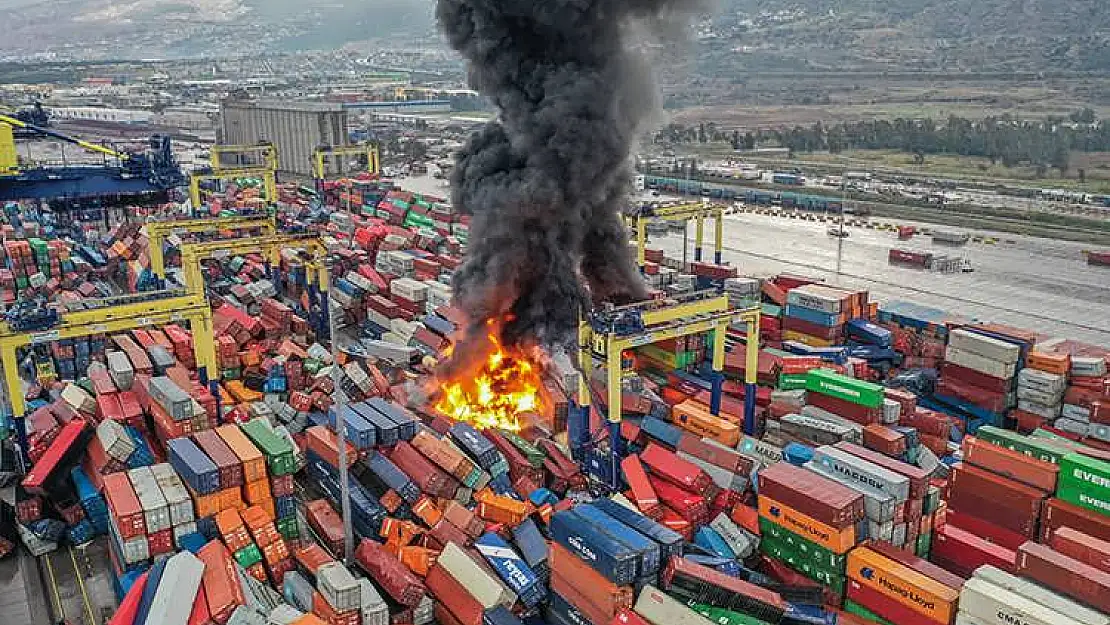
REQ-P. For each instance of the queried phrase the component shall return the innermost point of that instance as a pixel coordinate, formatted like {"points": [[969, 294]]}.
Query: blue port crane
{"points": [[123, 173]]}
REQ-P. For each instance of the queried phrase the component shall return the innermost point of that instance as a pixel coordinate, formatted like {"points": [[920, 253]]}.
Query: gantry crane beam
{"points": [[267, 175], [266, 150], [158, 231], [322, 154], [88, 145], [662, 322], [158, 308], [696, 211], [269, 247]]}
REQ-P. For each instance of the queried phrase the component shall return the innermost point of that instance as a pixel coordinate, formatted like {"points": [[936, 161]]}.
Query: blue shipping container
{"points": [[864, 331], [670, 542], [152, 582], [511, 568], [407, 423], [646, 548], [613, 559], [385, 430], [707, 538], [194, 467], [360, 432]]}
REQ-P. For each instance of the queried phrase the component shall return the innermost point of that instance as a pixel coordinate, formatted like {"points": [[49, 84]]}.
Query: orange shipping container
{"points": [[696, 418], [902, 584], [254, 463], [324, 443], [256, 492], [220, 581]]}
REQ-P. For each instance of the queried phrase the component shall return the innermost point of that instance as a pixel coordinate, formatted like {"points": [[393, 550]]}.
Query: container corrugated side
{"points": [[878, 506], [339, 587], [659, 608], [615, 560], [177, 497], [863, 472], [906, 586], [488, 590], [1034, 592], [996, 605], [155, 509], [180, 583], [1066, 575], [670, 542], [511, 568], [648, 550]]}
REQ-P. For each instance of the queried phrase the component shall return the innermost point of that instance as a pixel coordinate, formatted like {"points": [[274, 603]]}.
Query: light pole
{"points": [[339, 403], [840, 232]]}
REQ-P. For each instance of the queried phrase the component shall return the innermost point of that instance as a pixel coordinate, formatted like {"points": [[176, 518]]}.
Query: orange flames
{"points": [[495, 391]]}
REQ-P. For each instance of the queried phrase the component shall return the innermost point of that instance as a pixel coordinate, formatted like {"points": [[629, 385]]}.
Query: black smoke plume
{"points": [[544, 182]]}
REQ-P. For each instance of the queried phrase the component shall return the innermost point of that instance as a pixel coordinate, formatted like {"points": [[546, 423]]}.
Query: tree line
{"points": [[1006, 139]]}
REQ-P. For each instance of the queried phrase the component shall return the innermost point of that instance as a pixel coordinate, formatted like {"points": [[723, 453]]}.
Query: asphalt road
{"points": [[1039, 284]]}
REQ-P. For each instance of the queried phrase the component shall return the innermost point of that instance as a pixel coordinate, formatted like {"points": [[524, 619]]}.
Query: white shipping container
{"points": [[741, 543], [986, 346], [115, 440], [488, 590], [1073, 426], [1100, 431], [156, 510], [286, 614], [79, 399], [1047, 411], [809, 298], [979, 363], [1088, 367], [1042, 380], [410, 289], [1079, 413], [374, 609], [183, 530], [892, 411], [339, 587], [659, 608], [120, 370], [244, 615], [996, 605], [177, 497], [1039, 396], [361, 282], [180, 584]]}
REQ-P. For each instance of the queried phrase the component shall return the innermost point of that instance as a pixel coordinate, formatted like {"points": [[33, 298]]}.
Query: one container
{"points": [[660, 608], [221, 582], [1041, 595], [511, 568], [180, 584], [389, 573], [1066, 575], [863, 472], [177, 497], [123, 503], [339, 587], [487, 589], [856, 391], [155, 509], [1082, 547], [1009, 463], [694, 582], [194, 467]]}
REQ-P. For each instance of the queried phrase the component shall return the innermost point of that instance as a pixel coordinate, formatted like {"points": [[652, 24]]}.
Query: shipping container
{"points": [[386, 432], [254, 463], [1066, 575], [511, 568], [673, 469], [454, 597], [693, 582], [194, 467], [649, 559], [155, 509], [613, 559], [1009, 463], [1082, 547], [661, 609], [126, 511], [1085, 481], [598, 591], [816, 496], [181, 581], [339, 587], [221, 581], [962, 552], [229, 465], [828, 382], [486, 588], [863, 472], [836, 540], [389, 573], [906, 586], [51, 472], [1004, 502], [1041, 595]]}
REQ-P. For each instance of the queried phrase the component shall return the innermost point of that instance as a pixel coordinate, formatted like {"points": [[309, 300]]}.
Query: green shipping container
{"points": [[1040, 448], [723, 616], [792, 381], [528, 450], [279, 454], [288, 527], [783, 553], [852, 390], [805, 548], [924, 545], [248, 556], [855, 609], [1085, 481]]}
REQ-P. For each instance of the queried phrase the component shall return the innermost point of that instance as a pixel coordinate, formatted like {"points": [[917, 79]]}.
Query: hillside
{"points": [[908, 35]]}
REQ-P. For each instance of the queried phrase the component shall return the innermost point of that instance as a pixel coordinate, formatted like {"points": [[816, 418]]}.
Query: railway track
{"points": [[65, 572]]}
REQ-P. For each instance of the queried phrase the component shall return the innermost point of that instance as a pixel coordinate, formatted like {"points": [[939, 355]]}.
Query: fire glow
{"points": [[495, 391]]}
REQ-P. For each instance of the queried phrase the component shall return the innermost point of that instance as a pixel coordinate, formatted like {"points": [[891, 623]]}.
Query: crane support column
{"points": [[718, 379], [699, 236], [719, 237], [616, 447], [751, 370], [641, 242]]}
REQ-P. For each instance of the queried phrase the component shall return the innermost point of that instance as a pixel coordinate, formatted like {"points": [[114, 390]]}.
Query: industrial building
{"points": [[295, 128]]}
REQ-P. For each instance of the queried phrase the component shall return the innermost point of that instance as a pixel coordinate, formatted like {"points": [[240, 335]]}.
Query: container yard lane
{"points": [[1023, 281]]}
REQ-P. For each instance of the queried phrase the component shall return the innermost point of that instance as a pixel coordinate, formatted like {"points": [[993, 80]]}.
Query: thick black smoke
{"points": [[545, 181]]}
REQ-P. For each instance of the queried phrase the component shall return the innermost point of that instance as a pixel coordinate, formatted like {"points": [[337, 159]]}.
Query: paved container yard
{"points": [[1040, 284]]}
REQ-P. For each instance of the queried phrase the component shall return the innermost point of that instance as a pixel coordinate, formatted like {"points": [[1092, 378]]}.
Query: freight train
{"points": [[760, 197]]}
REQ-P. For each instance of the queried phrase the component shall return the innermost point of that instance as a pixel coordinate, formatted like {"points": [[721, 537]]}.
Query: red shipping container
{"points": [[124, 506], [688, 505], [986, 530], [927, 421], [331, 616], [430, 478], [454, 596], [327, 523], [324, 443], [593, 587], [391, 575], [642, 492], [673, 469], [823, 499], [312, 557], [884, 440], [231, 469], [962, 552], [1065, 575], [975, 378], [199, 615], [161, 542], [674, 521], [628, 617], [221, 583], [1012, 464], [129, 608], [727, 459], [886, 607], [1083, 547], [1002, 501], [570, 590]]}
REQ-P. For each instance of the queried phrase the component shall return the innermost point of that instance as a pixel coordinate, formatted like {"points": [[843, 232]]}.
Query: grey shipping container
{"points": [[660, 608], [863, 472], [115, 440], [156, 510], [481, 584], [179, 586], [339, 587], [177, 498], [175, 401], [374, 609], [120, 370]]}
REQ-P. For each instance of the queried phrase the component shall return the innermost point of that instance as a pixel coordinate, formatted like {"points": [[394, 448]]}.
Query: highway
{"points": [[1039, 284]]}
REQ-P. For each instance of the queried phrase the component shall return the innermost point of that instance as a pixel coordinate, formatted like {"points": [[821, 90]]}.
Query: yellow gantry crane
{"points": [[696, 211], [258, 161], [118, 314], [367, 152], [158, 231], [604, 335], [270, 248]]}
